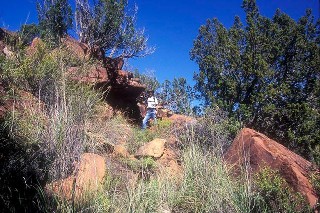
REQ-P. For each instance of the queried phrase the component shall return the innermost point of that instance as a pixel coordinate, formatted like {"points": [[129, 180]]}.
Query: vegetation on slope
{"points": [[41, 140], [265, 74]]}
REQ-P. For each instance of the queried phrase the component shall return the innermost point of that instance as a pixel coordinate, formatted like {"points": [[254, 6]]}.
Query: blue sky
{"points": [[170, 25]]}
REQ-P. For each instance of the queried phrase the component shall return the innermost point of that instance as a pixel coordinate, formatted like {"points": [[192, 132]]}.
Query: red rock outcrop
{"points": [[24, 102], [120, 86], [96, 74], [122, 90], [259, 151], [87, 179], [82, 50]]}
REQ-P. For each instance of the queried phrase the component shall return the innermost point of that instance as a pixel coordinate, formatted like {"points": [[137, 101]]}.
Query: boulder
{"points": [[81, 50], [169, 165], [87, 178], [36, 43], [120, 151], [260, 151], [154, 148]]}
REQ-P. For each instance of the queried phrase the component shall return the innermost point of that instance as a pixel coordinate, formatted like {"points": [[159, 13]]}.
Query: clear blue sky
{"points": [[171, 26]]}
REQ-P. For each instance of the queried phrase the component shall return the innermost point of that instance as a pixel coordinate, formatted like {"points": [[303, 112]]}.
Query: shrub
{"points": [[49, 135], [103, 134], [139, 138], [20, 171], [315, 181], [144, 197], [211, 132], [145, 166], [207, 185], [274, 194]]}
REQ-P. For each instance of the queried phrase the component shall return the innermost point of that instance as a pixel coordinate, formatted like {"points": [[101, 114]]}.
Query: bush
{"points": [[207, 185], [104, 133], [213, 131], [20, 171], [49, 135], [274, 194]]}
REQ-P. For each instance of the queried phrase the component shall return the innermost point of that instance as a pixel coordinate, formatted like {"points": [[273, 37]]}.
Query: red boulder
{"points": [[259, 151]]}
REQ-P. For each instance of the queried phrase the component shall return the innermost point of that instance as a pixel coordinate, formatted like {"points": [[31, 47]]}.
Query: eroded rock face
{"points": [[96, 74], [88, 178], [80, 49], [120, 86], [260, 151]]}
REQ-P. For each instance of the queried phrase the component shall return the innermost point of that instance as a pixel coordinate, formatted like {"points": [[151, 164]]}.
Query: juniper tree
{"points": [[55, 18], [109, 25], [28, 32], [264, 73], [177, 96]]}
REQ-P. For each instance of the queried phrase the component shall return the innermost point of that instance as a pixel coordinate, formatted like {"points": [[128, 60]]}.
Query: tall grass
{"points": [[206, 185], [214, 132], [50, 130], [52, 133]]}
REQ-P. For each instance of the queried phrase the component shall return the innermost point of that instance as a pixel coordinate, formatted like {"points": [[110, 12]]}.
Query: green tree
{"points": [[109, 27], [165, 93], [264, 73], [148, 79], [55, 18], [28, 32], [177, 96]]}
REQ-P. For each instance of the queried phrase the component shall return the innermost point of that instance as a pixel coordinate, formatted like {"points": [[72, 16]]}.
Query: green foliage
{"points": [[20, 171], [177, 96], [214, 131], [264, 74], [55, 18], [315, 181], [207, 185], [144, 165], [46, 137], [275, 194], [39, 72], [315, 152], [11, 39], [28, 32], [139, 138], [110, 26], [144, 197], [148, 79], [163, 127], [26, 71]]}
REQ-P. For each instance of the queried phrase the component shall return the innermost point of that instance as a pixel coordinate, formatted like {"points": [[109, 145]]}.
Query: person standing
{"points": [[152, 103]]}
